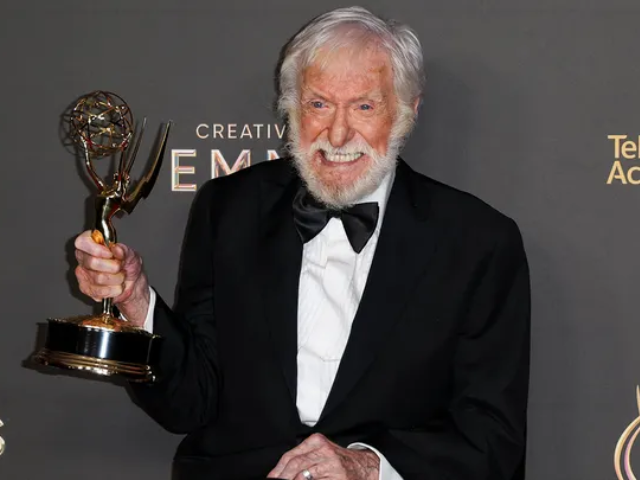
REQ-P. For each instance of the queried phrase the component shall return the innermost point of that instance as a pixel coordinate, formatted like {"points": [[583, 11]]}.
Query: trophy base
{"points": [[102, 345]]}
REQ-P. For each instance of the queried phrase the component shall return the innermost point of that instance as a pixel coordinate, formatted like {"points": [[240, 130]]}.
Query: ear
{"points": [[417, 104]]}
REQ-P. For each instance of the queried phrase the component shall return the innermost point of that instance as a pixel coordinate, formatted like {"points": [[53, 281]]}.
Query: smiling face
{"points": [[341, 140]]}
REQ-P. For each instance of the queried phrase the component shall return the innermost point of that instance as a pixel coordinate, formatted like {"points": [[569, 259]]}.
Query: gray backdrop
{"points": [[521, 98]]}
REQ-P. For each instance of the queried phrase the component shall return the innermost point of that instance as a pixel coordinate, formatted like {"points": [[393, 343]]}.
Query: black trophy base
{"points": [[101, 345]]}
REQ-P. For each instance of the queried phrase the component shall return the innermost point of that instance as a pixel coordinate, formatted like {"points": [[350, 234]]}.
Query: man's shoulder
{"points": [[280, 170], [458, 209]]}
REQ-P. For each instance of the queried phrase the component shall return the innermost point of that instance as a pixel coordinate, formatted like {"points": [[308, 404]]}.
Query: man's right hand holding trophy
{"points": [[114, 272]]}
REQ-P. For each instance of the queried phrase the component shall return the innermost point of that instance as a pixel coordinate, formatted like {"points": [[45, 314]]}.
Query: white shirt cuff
{"points": [[387, 472], [148, 323]]}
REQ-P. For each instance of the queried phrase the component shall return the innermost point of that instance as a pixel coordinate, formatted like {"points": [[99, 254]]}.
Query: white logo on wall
{"points": [[184, 161]]}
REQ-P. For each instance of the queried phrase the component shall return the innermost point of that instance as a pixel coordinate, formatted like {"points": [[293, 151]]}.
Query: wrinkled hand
{"points": [[326, 461], [113, 272]]}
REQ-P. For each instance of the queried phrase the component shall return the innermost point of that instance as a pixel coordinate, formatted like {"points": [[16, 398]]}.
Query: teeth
{"points": [[342, 157]]}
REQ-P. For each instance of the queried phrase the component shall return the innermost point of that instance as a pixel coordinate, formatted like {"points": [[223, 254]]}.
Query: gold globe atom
{"points": [[103, 123]]}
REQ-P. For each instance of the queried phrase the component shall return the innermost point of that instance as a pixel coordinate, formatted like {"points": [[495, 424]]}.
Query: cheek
{"points": [[310, 129], [377, 135]]}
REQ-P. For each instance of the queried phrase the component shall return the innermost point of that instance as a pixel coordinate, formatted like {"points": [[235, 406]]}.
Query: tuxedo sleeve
{"points": [[184, 397], [482, 435]]}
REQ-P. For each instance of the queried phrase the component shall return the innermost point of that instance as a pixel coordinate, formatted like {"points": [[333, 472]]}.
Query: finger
{"points": [[314, 449], [124, 252], [96, 292], [98, 264], [133, 272], [99, 292], [84, 284], [131, 261], [298, 464], [106, 279], [316, 440], [119, 250], [85, 243], [306, 446], [102, 292], [317, 471]]}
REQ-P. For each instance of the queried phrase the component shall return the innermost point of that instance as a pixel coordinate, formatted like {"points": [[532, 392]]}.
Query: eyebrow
{"points": [[313, 93], [375, 96]]}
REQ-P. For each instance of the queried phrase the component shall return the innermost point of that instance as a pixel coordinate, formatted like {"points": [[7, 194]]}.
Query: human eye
{"points": [[365, 107], [317, 104]]}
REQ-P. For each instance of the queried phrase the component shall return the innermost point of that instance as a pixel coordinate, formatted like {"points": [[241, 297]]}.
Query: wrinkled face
{"points": [[341, 143]]}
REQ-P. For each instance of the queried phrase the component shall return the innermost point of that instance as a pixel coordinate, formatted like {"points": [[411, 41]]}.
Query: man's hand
{"points": [[326, 461], [115, 272]]}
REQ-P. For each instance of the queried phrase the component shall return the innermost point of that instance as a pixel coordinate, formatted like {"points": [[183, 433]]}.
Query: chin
{"points": [[339, 175], [339, 184], [339, 191]]}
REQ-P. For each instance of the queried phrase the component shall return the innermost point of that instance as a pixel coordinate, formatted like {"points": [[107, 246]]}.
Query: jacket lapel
{"points": [[404, 247], [280, 257]]}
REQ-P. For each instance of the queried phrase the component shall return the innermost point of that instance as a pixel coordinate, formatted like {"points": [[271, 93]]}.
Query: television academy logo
{"points": [[622, 455], [624, 152]]}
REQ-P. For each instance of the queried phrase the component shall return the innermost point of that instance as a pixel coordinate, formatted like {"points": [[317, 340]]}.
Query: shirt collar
{"points": [[381, 194]]}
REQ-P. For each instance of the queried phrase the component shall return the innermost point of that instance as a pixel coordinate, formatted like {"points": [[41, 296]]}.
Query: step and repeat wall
{"points": [[534, 106]]}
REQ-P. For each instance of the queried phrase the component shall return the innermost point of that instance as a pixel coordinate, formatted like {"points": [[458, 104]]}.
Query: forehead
{"points": [[345, 72]]}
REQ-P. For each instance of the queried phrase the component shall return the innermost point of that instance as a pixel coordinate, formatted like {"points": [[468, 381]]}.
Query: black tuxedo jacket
{"points": [[435, 372]]}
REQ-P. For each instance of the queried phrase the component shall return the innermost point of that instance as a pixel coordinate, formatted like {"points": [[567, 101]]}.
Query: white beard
{"points": [[344, 195]]}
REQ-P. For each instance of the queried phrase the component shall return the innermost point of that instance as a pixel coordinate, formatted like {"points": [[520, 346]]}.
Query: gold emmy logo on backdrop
{"points": [[622, 455], [102, 125], [2, 442]]}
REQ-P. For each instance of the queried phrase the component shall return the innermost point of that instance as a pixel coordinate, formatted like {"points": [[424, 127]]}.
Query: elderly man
{"points": [[339, 316]]}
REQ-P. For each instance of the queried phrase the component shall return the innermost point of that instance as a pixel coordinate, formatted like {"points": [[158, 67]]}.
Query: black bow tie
{"points": [[310, 217]]}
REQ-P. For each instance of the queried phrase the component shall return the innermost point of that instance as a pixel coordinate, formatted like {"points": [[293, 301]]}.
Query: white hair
{"points": [[355, 27]]}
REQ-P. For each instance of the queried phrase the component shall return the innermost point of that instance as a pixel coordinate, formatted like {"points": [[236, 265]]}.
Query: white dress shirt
{"points": [[332, 280]]}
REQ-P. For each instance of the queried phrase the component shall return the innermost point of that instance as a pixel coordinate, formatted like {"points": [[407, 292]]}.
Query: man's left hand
{"points": [[325, 460]]}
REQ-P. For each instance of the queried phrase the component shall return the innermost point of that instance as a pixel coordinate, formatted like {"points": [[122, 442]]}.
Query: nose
{"points": [[340, 131]]}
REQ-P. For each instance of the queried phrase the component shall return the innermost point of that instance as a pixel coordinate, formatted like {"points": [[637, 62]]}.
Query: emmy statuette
{"points": [[102, 125]]}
